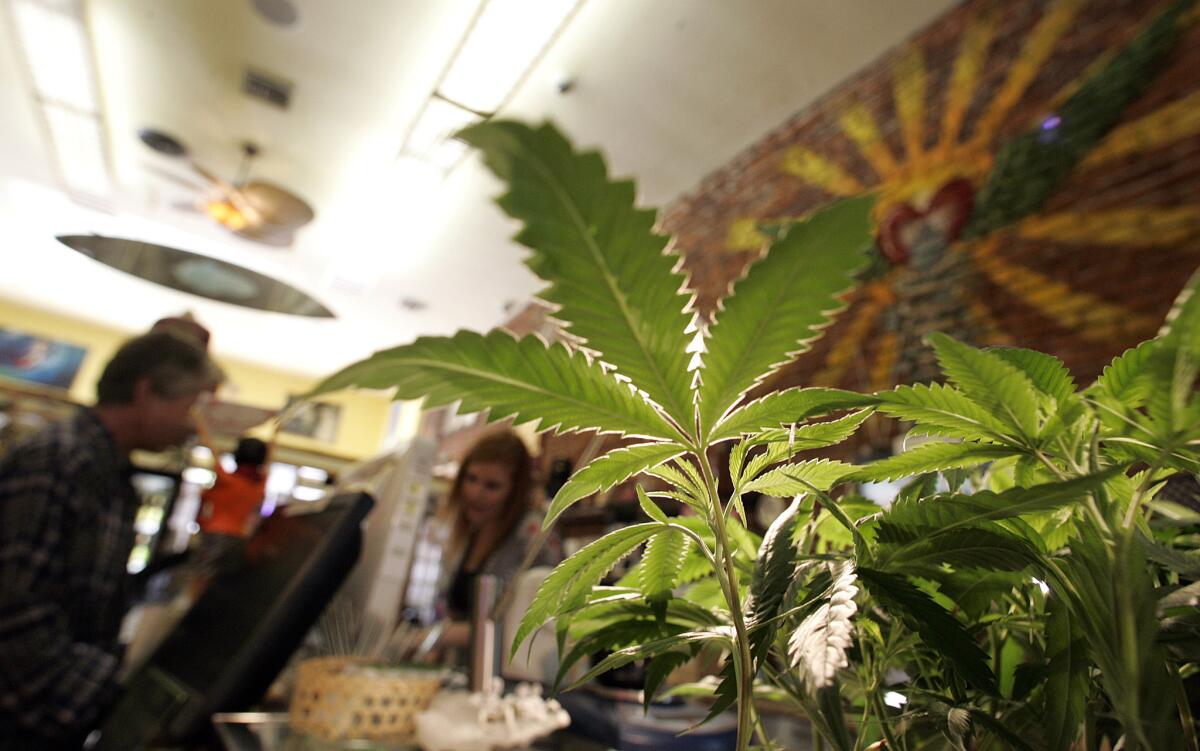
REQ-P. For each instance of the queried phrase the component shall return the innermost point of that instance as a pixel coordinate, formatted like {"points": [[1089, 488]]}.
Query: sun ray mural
{"points": [[957, 189]]}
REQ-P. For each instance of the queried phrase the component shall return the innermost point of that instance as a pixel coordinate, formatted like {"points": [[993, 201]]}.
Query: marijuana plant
{"points": [[619, 295], [1021, 591]]}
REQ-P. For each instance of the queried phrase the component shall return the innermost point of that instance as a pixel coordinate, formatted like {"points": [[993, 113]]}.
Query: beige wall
{"points": [[364, 419]]}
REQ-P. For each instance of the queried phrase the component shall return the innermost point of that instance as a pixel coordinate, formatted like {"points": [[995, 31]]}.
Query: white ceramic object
{"points": [[487, 721]]}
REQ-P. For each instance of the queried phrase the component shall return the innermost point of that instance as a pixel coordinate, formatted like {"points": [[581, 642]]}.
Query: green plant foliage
{"points": [[611, 469], [1045, 598], [519, 378], [772, 576], [782, 301], [940, 410], [951, 511], [814, 435], [989, 381], [799, 478], [654, 648], [970, 548], [1066, 691], [662, 564], [1121, 382], [607, 269], [939, 629], [657, 672], [1047, 373], [785, 407], [930, 457], [613, 635], [568, 585]]}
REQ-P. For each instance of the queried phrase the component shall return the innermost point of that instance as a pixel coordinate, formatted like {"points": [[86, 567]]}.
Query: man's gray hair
{"points": [[175, 366]]}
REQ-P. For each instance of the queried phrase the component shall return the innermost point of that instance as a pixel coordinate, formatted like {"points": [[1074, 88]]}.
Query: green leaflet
{"points": [[782, 303], [942, 410], [614, 467], [800, 478], [650, 508], [611, 637], [652, 649], [521, 378], [657, 672], [1121, 381], [631, 606], [1046, 372], [662, 562], [816, 435], [989, 381], [614, 285], [832, 720], [1112, 598], [1187, 564], [773, 573], [676, 477], [954, 510], [568, 585], [1174, 363], [1067, 681], [930, 457], [988, 549], [784, 407], [1000, 730], [940, 630], [775, 453]]}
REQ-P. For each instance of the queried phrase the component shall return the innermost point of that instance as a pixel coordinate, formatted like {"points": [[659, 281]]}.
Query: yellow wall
{"points": [[364, 419]]}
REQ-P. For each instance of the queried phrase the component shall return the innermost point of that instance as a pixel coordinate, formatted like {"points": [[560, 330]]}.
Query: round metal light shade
{"points": [[197, 275]]}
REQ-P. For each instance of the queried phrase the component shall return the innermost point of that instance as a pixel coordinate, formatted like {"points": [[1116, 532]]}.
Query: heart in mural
{"points": [[947, 214]]}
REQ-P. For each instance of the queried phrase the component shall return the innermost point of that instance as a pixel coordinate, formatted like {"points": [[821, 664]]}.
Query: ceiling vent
{"points": [[269, 89]]}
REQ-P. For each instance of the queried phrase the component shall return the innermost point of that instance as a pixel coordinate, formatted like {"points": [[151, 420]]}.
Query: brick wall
{"points": [[1090, 273], [1082, 291]]}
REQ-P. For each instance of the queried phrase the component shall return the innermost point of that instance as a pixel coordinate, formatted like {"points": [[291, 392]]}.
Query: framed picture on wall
{"points": [[316, 420], [35, 359]]}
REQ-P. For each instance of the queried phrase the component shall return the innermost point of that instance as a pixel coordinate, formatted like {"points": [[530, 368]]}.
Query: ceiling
{"points": [[669, 90]]}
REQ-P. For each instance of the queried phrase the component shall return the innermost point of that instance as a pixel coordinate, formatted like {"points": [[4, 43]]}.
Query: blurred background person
{"points": [[66, 529]]}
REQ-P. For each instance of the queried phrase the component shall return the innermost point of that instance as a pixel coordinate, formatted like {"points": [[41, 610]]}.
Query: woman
{"points": [[488, 527]]}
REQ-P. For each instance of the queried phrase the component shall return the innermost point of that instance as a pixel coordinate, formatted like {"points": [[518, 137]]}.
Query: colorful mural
{"points": [[954, 201]]}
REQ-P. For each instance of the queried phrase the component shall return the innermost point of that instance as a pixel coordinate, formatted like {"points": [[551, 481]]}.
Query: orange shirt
{"points": [[232, 501]]}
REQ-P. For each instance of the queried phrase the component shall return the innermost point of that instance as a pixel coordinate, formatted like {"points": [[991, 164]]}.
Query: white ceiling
{"points": [[669, 90]]}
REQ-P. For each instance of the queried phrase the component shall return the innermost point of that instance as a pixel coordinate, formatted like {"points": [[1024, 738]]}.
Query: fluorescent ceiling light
{"points": [[57, 52], [431, 140], [391, 220], [79, 143], [506, 40]]}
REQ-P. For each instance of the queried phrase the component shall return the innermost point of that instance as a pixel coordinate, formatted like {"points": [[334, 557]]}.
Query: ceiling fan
{"points": [[253, 209]]}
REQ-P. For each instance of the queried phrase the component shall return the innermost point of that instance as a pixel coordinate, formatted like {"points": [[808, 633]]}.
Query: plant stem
{"points": [[745, 674], [881, 710], [1140, 493], [1185, 711], [763, 739]]}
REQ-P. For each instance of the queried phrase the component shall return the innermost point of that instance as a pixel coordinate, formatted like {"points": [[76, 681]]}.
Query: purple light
{"points": [[1051, 122]]}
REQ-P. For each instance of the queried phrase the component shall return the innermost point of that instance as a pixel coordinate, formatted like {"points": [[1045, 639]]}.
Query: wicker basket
{"points": [[342, 698]]}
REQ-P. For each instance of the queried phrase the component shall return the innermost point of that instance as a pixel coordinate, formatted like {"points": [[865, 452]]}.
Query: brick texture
{"points": [[1083, 299]]}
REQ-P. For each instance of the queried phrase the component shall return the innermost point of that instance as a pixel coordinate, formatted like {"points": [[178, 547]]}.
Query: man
{"points": [[66, 528]]}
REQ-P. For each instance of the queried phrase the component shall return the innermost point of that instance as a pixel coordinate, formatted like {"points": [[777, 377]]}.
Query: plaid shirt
{"points": [[66, 528]]}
